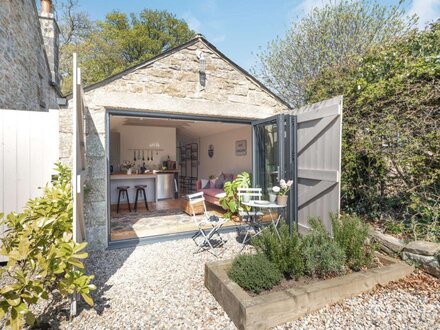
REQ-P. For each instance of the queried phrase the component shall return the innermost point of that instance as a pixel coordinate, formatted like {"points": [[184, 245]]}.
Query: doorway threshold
{"points": [[132, 242]]}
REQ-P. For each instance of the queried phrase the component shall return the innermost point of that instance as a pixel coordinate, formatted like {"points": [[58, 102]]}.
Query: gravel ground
{"points": [[161, 286]]}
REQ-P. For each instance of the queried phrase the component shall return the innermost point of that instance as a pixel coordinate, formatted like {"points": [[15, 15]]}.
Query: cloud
{"points": [[193, 22], [208, 5], [305, 7], [426, 10], [219, 38]]}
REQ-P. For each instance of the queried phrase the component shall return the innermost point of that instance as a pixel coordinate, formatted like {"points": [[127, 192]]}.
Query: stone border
{"points": [[269, 310], [425, 255]]}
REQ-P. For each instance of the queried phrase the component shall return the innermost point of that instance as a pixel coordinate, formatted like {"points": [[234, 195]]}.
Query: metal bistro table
{"points": [[258, 225]]}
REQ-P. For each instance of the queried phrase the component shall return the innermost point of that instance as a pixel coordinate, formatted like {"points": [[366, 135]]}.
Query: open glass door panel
{"points": [[268, 152]]}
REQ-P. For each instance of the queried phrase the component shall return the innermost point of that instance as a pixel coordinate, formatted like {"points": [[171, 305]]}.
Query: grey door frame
{"points": [[287, 159], [147, 114]]}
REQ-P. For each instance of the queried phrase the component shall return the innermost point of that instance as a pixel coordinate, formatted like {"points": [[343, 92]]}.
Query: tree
{"points": [[327, 37], [391, 136], [121, 41]]}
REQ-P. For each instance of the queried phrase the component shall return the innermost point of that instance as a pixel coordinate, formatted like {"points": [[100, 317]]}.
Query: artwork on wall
{"points": [[210, 151], [240, 148]]}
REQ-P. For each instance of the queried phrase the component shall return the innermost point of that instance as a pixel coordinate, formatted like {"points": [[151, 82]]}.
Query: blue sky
{"points": [[239, 27]]}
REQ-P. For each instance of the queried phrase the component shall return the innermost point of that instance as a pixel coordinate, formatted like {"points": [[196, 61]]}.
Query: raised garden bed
{"points": [[272, 309]]}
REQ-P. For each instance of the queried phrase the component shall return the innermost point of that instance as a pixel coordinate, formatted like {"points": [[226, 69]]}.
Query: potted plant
{"points": [[128, 165], [282, 191], [230, 201]]}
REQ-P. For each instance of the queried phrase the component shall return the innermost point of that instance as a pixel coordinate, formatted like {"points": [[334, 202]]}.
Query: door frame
{"points": [[287, 159], [148, 114]]}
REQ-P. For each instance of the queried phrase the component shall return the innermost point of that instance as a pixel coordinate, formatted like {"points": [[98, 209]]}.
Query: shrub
{"points": [[283, 251], [321, 254], [254, 273], [350, 233], [42, 256]]}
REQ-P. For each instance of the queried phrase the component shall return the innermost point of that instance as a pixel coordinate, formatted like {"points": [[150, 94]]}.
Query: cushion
{"points": [[229, 177], [212, 183], [217, 193], [205, 184], [219, 184]]}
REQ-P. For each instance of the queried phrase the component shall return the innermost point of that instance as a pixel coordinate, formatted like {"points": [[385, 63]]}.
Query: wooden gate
{"points": [[319, 131], [28, 151]]}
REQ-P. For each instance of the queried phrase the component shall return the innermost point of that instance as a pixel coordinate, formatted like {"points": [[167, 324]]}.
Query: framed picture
{"points": [[240, 148]]}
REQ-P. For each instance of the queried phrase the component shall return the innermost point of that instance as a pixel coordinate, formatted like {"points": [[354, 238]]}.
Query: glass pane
{"points": [[267, 157]]}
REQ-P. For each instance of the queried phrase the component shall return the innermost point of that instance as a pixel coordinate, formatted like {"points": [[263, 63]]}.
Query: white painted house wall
{"points": [[138, 137], [225, 159]]}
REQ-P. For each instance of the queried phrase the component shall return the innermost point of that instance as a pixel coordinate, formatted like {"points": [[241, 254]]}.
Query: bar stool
{"points": [[140, 189], [122, 190]]}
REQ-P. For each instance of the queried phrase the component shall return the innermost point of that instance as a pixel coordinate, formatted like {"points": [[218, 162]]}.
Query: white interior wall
{"points": [[140, 137], [224, 159]]}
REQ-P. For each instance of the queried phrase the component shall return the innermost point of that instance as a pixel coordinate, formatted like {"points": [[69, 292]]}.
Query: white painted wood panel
{"points": [[28, 150]]}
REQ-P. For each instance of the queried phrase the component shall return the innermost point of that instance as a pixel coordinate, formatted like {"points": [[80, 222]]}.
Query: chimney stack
{"points": [[46, 8], [50, 32]]}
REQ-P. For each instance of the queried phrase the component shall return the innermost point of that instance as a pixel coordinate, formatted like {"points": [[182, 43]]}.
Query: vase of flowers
{"points": [[282, 191], [128, 166]]}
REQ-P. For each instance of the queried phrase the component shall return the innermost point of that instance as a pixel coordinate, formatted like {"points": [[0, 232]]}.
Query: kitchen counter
{"points": [[160, 185]]}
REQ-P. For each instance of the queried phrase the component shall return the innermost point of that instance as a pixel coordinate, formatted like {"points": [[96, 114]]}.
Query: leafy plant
{"points": [[351, 234], [283, 251], [391, 140], [42, 256], [231, 202], [254, 273], [322, 256]]}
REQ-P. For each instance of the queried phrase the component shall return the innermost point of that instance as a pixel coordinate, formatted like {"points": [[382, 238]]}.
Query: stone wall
{"points": [[24, 70], [171, 84]]}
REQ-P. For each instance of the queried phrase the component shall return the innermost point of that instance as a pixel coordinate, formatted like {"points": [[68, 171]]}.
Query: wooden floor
{"points": [[163, 217]]}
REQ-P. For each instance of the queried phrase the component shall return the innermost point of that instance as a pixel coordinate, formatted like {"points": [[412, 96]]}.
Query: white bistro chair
{"points": [[207, 237], [249, 217]]}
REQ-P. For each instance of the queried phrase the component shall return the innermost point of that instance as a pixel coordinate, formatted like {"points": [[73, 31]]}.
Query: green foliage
{"points": [[231, 202], [283, 251], [254, 273], [121, 41], [42, 256], [325, 38], [351, 233], [391, 140], [322, 256]]}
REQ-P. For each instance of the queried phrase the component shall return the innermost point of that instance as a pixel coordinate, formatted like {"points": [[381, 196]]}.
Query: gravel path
{"points": [[161, 286]]}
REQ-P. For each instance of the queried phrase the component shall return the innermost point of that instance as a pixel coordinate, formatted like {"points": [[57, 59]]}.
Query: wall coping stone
{"points": [[423, 247]]}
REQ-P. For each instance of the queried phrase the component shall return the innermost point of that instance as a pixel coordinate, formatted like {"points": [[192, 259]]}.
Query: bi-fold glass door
{"points": [[274, 149]]}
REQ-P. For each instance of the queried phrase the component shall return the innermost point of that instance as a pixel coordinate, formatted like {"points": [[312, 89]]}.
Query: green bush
{"points": [[322, 256], [42, 256], [254, 273], [351, 233], [391, 140], [283, 251]]}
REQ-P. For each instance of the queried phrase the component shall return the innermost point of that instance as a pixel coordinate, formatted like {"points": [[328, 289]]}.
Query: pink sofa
{"points": [[212, 195]]}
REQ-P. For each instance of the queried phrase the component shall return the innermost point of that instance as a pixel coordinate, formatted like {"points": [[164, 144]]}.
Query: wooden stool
{"points": [[140, 189], [122, 190]]}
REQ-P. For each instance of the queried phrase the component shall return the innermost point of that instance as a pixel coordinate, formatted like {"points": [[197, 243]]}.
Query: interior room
{"points": [[165, 160]]}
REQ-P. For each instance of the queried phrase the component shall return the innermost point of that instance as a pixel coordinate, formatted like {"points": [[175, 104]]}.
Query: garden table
{"points": [[255, 223]]}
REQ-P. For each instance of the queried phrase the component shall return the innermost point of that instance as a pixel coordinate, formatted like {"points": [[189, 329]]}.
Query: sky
{"points": [[240, 28]]}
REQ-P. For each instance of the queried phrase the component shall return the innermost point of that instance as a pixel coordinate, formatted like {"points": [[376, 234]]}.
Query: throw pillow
{"points": [[212, 183], [219, 184], [205, 184]]}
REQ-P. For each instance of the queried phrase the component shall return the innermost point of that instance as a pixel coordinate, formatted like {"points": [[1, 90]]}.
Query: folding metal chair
{"points": [[208, 226], [249, 218]]}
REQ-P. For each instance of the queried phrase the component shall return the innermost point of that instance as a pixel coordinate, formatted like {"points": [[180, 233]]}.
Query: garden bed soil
{"points": [[287, 304]]}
